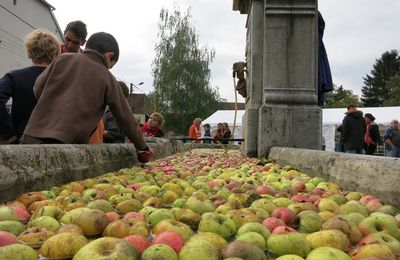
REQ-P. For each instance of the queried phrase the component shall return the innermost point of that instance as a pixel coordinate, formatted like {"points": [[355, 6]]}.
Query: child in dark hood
{"points": [[372, 137]]}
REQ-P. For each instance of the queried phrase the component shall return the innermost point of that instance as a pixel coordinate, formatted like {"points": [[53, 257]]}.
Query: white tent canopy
{"points": [[331, 118]]}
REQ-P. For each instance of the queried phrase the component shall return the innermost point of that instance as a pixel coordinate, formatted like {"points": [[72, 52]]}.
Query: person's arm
{"points": [[120, 109], [376, 134], [192, 132], [345, 129], [7, 131], [388, 137]]}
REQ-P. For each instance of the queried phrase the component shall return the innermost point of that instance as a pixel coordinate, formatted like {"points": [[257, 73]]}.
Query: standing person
{"points": [[353, 130], [219, 133], [78, 87], [194, 130], [74, 37], [372, 137], [227, 133], [207, 133], [112, 132], [152, 128], [41, 47], [392, 139]]}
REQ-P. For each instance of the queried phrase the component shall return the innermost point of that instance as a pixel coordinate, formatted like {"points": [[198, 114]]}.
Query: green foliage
{"points": [[340, 97], [181, 73], [375, 90], [393, 87]]}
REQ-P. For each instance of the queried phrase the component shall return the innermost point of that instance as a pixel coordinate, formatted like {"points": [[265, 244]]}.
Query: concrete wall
{"points": [[379, 176], [25, 168]]}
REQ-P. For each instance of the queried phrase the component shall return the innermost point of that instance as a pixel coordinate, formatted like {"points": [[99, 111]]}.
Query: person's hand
{"points": [[145, 156], [12, 140]]}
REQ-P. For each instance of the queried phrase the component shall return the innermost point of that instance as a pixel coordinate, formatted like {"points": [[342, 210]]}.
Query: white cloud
{"points": [[357, 33]]}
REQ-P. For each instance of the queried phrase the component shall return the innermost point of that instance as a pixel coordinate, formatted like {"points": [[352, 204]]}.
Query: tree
{"points": [[181, 73], [375, 91], [393, 86], [340, 97]]}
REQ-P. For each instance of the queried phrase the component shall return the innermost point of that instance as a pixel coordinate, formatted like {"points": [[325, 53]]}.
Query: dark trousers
{"points": [[370, 149]]}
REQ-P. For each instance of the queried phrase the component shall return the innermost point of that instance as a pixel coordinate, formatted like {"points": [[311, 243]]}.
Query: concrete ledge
{"points": [[379, 176], [25, 168]]}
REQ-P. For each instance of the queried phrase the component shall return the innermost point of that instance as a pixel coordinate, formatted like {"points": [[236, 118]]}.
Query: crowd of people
{"points": [[69, 95], [360, 134], [221, 134]]}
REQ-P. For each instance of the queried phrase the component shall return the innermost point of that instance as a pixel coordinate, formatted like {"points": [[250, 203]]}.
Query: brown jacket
{"points": [[72, 95]]}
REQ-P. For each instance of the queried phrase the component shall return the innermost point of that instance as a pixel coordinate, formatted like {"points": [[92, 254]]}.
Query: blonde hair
{"points": [[159, 117], [42, 46], [197, 120]]}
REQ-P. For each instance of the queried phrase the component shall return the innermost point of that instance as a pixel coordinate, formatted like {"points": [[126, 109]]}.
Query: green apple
{"points": [[7, 213], [175, 226], [288, 243], [265, 204], [329, 238], [215, 239], [372, 251], [326, 204], [220, 224], [159, 252], [92, 222], [327, 253], [45, 222], [199, 204], [199, 250], [128, 206], [126, 227], [282, 202], [51, 211], [158, 215], [70, 216], [12, 226], [352, 206], [62, 245], [254, 227], [290, 257], [309, 221], [253, 238], [18, 252], [379, 222], [107, 248], [101, 204]]}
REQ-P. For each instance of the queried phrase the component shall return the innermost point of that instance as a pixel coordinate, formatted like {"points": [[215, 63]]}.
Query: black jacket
{"points": [[374, 134], [353, 130]]}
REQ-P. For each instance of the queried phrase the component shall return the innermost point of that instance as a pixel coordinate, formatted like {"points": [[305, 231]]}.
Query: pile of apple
{"points": [[205, 204]]}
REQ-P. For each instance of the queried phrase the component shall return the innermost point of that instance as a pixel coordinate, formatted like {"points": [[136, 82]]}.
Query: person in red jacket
{"points": [[195, 131]]}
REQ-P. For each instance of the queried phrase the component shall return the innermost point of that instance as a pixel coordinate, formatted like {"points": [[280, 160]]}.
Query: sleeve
{"points": [[6, 91], [120, 109], [345, 129], [388, 134], [377, 135]]}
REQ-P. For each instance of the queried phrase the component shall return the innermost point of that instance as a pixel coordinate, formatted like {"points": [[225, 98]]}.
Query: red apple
{"points": [[134, 215], [22, 213], [284, 214], [283, 230], [112, 216], [300, 198], [7, 238], [365, 199], [271, 223], [170, 238], [139, 242], [264, 189], [298, 186]]}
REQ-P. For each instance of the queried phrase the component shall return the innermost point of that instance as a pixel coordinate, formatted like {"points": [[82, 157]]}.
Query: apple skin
{"points": [[175, 226], [283, 230], [372, 251], [379, 222], [63, 245], [107, 247], [329, 238], [22, 214], [288, 243], [253, 238], [219, 224], [134, 215], [159, 251], [327, 253], [12, 226], [125, 227], [23, 251], [45, 222], [215, 239], [199, 250], [271, 223], [172, 239], [381, 238], [113, 216], [309, 221], [158, 215], [254, 227], [8, 213], [139, 242], [243, 250], [92, 222], [7, 238], [284, 214]]}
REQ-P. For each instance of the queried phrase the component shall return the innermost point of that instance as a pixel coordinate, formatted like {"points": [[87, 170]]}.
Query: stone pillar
{"points": [[254, 60], [288, 113]]}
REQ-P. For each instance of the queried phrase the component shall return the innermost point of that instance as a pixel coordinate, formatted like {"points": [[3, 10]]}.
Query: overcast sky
{"points": [[357, 33]]}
